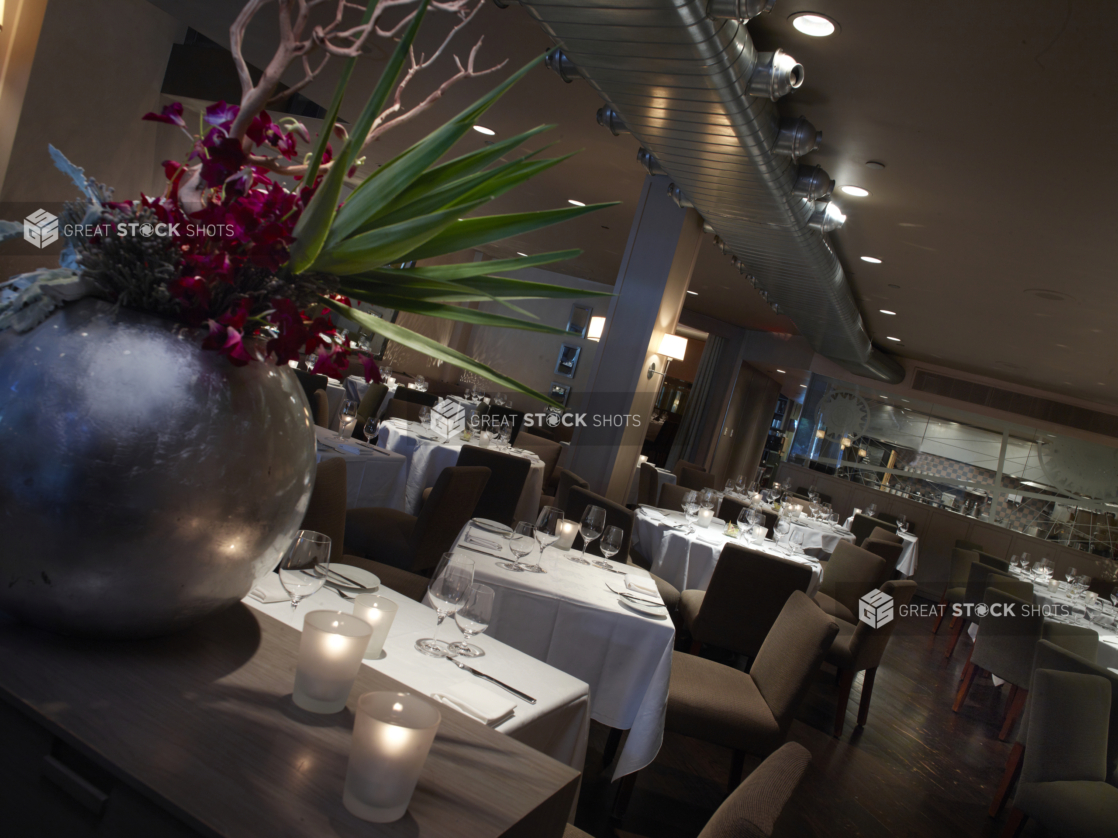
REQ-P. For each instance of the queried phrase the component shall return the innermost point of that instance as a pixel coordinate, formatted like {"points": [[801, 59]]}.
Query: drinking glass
{"points": [[385, 372], [592, 525], [548, 525], [447, 589], [739, 481], [871, 510], [1069, 574], [521, 542], [424, 415], [610, 545], [505, 436], [783, 527], [473, 619], [706, 499], [372, 430], [797, 540], [303, 569], [729, 485], [691, 513], [347, 419], [745, 520]]}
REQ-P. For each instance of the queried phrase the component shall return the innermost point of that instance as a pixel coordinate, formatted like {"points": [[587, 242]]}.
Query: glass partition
{"points": [[1033, 481]]}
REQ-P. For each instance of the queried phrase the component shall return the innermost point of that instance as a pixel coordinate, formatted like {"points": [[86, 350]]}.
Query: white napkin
{"points": [[349, 449], [269, 589], [478, 541], [641, 584], [477, 701]]}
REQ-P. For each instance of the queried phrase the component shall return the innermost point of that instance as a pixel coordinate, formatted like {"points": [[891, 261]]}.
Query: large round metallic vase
{"points": [[144, 482]]}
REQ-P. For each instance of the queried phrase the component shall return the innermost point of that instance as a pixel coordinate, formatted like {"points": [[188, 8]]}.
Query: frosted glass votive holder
{"points": [[330, 653], [379, 613]]}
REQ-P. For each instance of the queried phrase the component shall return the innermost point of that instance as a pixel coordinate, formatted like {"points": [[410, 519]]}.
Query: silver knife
{"points": [[346, 579], [483, 552], [636, 598], [493, 680]]}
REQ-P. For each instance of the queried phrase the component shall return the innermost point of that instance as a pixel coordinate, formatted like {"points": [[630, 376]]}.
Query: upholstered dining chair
{"points": [[321, 405], [859, 647], [850, 574], [646, 484], [992, 560], [881, 534], [742, 601], [890, 551], [1005, 646], [751, 811], [671, 497], [548, 450], [369, 407], [506, 484], [1051, 656], [498, 415], [974, 592], [311, 383], [863, 525], [963, 544], [416, 543], [751, 713], [1079, 640], [1064, 773], [961, 560], [680, 465], [693, 478], [562, 483], [406, 403], [730, 509], [326, 513]]}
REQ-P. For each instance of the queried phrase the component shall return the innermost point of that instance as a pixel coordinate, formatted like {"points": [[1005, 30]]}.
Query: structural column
{"points": [[650, 290]]}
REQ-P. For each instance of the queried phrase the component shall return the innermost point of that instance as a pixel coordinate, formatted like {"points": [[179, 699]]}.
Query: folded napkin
{"points": [[477, 701], [641, 584], [349, 449], [269, 589], [478, 541]]}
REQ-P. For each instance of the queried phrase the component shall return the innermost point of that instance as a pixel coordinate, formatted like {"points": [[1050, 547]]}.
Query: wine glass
{"points": [[797, 540], [729, 488], [371, 430], [505, 436], [447, 589], [521, 542], [1069, 574], [304, 566], [592, 525], [473, 619], [549, 524], [1014, 562], [610, 545], [706, 499], [745, 520], [871, 510], [347, 419], [424, 415]]}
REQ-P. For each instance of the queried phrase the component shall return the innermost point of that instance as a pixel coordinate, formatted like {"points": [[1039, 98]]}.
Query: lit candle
{"points": [[391, 739], [567, 532], [756, 498], [379, 613], [1053, 585], [329, 658], [643, 459], [705, 516], [346, 424], [483, 439]]}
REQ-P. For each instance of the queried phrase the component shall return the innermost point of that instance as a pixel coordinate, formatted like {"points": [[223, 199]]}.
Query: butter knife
{"points": [[492, 680], [483, 552]]}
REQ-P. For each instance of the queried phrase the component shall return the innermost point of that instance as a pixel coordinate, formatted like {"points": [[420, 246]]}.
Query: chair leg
{"points": [[1014, 823], [846, 681], [968, 678], [1014, 711], [1009, 701], [954, 622], [624, 792], [737, 767], [696, 647], [612, 741], [957, 630], [1012, 772], [867, 692], [942, 613], [965, 665]]}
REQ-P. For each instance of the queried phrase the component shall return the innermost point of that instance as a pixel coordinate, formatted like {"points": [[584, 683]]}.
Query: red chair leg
{"points": [[965, 665], [1014, 823], [958, 629], [968, 678], [867, 692], [1014, 711], [1009, 778], [846, 681]]}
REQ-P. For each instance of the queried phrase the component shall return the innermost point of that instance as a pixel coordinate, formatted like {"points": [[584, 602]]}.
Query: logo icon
{"points": [[875, 609], [41, 228]]}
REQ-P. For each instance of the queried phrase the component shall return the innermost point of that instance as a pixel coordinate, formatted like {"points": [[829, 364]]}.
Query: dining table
{"points": [[374, 476], [910, 552], [685, 556], [428, 453], [573, 618], [663, 476]]}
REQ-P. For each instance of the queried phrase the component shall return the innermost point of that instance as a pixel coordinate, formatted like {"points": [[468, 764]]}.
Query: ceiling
{"points": [[977, 111]]}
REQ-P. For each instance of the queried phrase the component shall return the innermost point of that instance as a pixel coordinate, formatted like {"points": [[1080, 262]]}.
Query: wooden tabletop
{"points": [[203, 724]]}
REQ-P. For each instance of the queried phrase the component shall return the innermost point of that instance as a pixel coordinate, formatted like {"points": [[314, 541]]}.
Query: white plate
{"points": [[491, 526], [657, 611], [368, 582]]}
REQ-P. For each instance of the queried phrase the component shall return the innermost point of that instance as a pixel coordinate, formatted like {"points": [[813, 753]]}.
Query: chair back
{"points": [[406, 404], [887, 517], [976, 586], [369, 407], [752, 809], [1020, 588], [1007, 637], [321, 406], [671, 496], [693, 478], [502, 493], [888, 550], [730, 509], [961, 560], [326, 510], [745, 595], [850, 574], [497, 416], [646, 484], [868, 644], [1079, 640], [962, 544], [1067, 737], [863, 525], [1103, 587], [790, 656], [578, 498], [993, 561], [419, 397], [680, 465], [885, 535], [547, 450], [310, 383], [567, 481], [452, 502]]}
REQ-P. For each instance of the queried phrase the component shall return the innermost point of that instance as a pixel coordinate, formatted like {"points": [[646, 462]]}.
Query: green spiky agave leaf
{"points": [[465, 270], [434, 349], [462, 314]]}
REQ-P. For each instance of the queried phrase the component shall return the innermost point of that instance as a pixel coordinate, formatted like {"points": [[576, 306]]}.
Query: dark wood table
{"points": [[196, 734]]}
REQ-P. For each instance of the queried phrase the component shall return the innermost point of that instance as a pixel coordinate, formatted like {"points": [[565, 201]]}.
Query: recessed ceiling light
{"points": [[481, 129], [856, 191], [884, 397], [518, 253], [576, 203], [781, 371], [886, 311], [817, 26], [898, 340], [693, 293], [872, 260], [804, 386]]}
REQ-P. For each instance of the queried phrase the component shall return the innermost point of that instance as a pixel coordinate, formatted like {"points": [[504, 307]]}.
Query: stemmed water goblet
{"points": [[591, 527], [691, 513], [448, 588], [549, 524], [303, 568], [371, 430], [745, 521], [347, 418], [521, 543], [610, 545], [1069, 574], [797, 540], [783, 527], [473, 619]]}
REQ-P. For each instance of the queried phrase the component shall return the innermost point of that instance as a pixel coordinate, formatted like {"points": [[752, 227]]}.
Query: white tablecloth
{"points": [[820, 540], [569, 619], [557, 724], [1108, 636], [688, 561], [910, 553], [662, 476], [374, 477], [427, 457]]}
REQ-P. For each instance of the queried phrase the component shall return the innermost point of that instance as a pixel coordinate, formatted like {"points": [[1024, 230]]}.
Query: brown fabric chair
{"points": [[326, 513], [546, 449], [743, 600], [1079, 640], [974, 593], [863, 525], [671, 497], [751, 713], [730, 509], [692, 478], [496, 416], [506, 484], [859, 647], [962, 544], [888, 550], [993, 561], [646, 484], [417, 543], [406, 403], [680, 465], [321, 406], [880, 534], [369, 406], [850, 574], [562, 486]]}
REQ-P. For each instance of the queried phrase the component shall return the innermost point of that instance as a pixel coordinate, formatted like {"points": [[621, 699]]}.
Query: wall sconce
{"points": [[672, 347], [821, 433], [846, 442], [597, 326], [1, 15], [862, 453]]}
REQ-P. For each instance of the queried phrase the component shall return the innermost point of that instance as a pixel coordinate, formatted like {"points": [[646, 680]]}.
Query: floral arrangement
{"points": [[246, 255]]}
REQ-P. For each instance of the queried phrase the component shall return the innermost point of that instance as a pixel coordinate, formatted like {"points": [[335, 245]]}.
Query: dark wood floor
{"points": [[916, 769]]}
